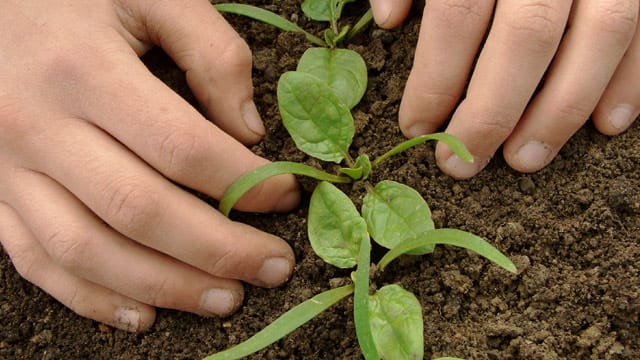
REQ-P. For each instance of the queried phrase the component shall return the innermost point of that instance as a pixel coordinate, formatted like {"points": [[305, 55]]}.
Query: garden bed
{"points": [[572, 229]]}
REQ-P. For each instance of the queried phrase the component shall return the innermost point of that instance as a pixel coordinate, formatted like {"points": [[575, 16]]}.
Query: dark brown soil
{"points": [[572, 229]]}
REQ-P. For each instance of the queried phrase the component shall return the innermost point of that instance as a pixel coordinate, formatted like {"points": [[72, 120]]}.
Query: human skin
{"points": [[545, 68], [92, 146]]}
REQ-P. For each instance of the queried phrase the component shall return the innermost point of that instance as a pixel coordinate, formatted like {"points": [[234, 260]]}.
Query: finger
{"points": [[80, 243], [523, 38], [390, 13], [216, 60], [597, 39], [619, 106], [129, 103], [450, 35], [83, 297], [141, 205]]}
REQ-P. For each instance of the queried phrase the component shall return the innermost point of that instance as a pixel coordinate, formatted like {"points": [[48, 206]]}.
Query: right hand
{"points": [[92, 147]]}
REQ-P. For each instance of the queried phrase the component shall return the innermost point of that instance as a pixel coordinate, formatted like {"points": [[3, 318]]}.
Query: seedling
{"points": [[315, 103]]}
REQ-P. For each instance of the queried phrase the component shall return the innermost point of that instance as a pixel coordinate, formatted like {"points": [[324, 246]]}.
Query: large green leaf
{"points": [[343, 70], [320, 10], [395, 316], [396, 213], [335, 228], [319, 123]]}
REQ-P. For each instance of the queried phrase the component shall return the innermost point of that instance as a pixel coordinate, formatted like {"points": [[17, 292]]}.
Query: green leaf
{"points": [[285, 324], [335, 228], [361, 302], [319, 123], [451, 141], [396, 213], [320, 10], [243, 184], [395, 316], [268, 17], [360, 170], [343, 70], [453, 237]]}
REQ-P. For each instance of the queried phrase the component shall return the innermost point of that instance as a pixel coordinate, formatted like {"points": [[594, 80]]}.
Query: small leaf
{"points": [[395, 316], [396, 213], [320, 10], [453, 237], [360, 170], [335, 228], [343, 70], [319, 123], [285, 324]]}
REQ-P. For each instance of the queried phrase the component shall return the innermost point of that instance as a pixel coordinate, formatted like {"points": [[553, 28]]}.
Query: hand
{"points": [[91, 146], [584, 55]]}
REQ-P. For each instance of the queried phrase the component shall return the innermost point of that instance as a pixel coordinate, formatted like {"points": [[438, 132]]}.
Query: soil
{"points": [[572, 229]]}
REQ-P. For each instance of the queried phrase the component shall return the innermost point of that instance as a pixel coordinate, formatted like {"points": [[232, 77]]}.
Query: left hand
{"points": [[529, 73]]}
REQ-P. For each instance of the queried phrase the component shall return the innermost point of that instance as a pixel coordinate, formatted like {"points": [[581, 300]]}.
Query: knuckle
{"points": [[618, 17], [236, 54], [69, 66], [462, 11], [182, 151], [155, 292], [68, 248], [223, 263], [132, 207], [498, 123], [537, 23], [25, 262], [12, 120], [574, 115]]}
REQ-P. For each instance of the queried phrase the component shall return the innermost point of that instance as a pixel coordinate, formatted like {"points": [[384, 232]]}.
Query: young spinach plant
{"points": [[315, 103]]}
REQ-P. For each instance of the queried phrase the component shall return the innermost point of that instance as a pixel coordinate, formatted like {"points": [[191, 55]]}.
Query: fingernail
{"points": [[382, 11], [275, 271], [288, 201], [252, 118], [220, 301], [461, 169], [417, 130], [127, 319], [533, 155], [622, 116]]}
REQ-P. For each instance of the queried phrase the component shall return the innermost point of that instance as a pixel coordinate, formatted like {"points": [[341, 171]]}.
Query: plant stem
{"points": [[361, 302], [451, 141], [361, 24], [268, 17]]}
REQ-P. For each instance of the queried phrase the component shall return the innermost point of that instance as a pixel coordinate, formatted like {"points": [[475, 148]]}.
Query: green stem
{"points": [[361, 302], [285, 324], [268, 17], [452, 142], [361, 24], [254, 177]]}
